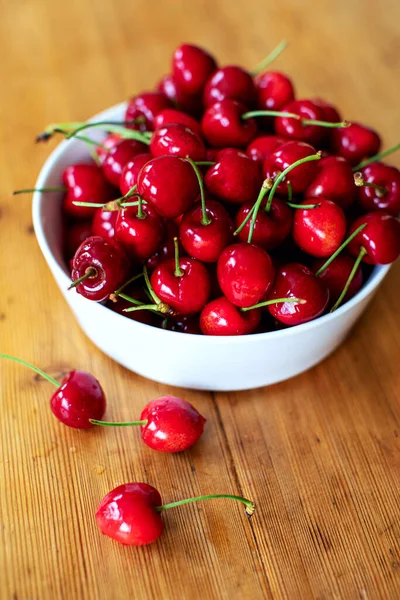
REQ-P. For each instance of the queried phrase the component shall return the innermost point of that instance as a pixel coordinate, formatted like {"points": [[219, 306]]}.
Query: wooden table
{"points": [[319, 454]]}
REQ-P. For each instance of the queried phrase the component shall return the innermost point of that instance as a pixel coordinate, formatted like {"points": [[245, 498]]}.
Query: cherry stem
{"points": [[205, 163], [73, 128], [270, 58], [131, 280], [278, 113], [117, 424], [274, 301], [205, 219], [359, 181], [149, 286], [124, 132], [266, 186], [160, 307], [339, 250], [178, 271], [290, 192], [32, 190], [140, 212], [89, 274], [32, 367], [249, 505], [357, 262], [377, 157], [84, 126], [128, 298], [303, 206]]}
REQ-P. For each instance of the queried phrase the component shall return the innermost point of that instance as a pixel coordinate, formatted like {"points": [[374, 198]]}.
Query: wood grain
{"points": [[319, 454]]}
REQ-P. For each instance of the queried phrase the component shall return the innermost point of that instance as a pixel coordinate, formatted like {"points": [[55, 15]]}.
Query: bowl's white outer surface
{"points": [[192, 361]]}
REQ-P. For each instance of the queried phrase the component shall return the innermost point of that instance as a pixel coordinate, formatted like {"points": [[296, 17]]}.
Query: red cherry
{"points": [[130, 172], [333, 180], [139, 229], [234, 178], [103, 223], [170, 184], [331, 113], [233, 83], [380, 238], [119, 155], [76, 234], [284, 156], [144, 108], [220, 317], [171, 115], [336, 274], [319, 231], [166, 248], [223, 126], [78, 399], [297, 281], [205, 241], [260, 148], [245, 274], [182, 324], [355, 142], [384, 193], [274, 91], [177, 140], [84, 183], [101, 265], [271, 228], [191, 68], [184, 102], [292, 128], [109, 142]]}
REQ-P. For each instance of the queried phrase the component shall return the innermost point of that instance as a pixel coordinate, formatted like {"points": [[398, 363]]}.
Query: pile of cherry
{"points": [[222, 205]]}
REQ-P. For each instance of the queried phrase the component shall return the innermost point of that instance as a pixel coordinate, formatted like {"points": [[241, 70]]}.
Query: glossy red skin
{"points": [[177, 140], [232, 83], [185, 102], [131, 170], [191, 67], [274, 90], [284, 156], [245, 274], [355, 143], [263, 146], [170, 184], [380, 238], [84, 183], [76, 234], [103, 223], [206, 242], [146, 106], [336, 275], [334, 180], [127, 515], [319, 231], [109, 142], [297, 281], [119, 155], [221, 317], [140, 237], [331, 113], [78, 399], [110, 261], [171, 115], [271, 228], [294, 129], [183, 325], [223, 126], [234, 178], [386, 176], [186, 294], [166, 249], [173, 424], [141, 316]]}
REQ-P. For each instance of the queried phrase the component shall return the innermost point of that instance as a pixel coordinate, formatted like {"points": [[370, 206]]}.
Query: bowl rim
{"points": [[376, 277]]}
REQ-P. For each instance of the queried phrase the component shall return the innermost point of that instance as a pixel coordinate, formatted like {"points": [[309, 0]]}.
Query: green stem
{"points": [[249, 505], [129, 298], [103, 124], [266, 186], [269, 113], [303, 206], [205, 163], [140, 212], [178, 271], [88, 204], [274, 301], [340, 125], [359, 181], [377, 157], [339, 250], [124, 285], [32, 190], [149, 286], [290, 192], [271, 57], [32, 367], [90, 273], [359, 258], [118, 424], [160, 307], [205, 219], [124, 132]]}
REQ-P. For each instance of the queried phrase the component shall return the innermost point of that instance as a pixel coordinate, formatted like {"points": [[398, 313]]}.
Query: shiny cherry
{"points": [[176, 139], [336, 274], [166, 249], [274, 91], [109, 142], [380, 238], [355, 142], [333, 180], [231, 82], [319, 231], [119, 155], [131, 170], [84, 183], [171, 115], [260, 148], [187, 103], [139, 229], [222, 125], [284, 156], [234, 177], [271, 228], [191, 67], [144, 108], [381, 189], [103, 223], [294, 128], [330, 112], [76, 234], [221, 317]]}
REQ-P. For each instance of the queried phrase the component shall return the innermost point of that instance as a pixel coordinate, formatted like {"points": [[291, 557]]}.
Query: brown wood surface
{"points": [[319, 454]]}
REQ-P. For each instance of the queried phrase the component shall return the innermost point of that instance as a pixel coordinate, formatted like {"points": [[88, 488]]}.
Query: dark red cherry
{"points": [[234, 177], [245, 274], [103, 223], [274, 91], [119, 305], [355, 142], [297, 281], [223, 125], [78, 399], [170, 184], [231, 82], [319, 231], [184, 102], [334, 180], [84, 183], [139, 229], [130, 172], [177, 140], [109, 142], [260, 148], [75, 235], [271, 228], [284, 156], [104, 266], [221, 317], [331, 113], [171, 115], [336, 274], [144, 108], [183, 324], [166, 248], [384, 193], [191, 67], [294, 128], [205, 241], [119, 155], [380, 238]]}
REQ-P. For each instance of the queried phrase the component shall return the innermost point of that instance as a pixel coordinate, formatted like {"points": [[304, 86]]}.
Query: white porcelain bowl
{"points": [[191, 361]]}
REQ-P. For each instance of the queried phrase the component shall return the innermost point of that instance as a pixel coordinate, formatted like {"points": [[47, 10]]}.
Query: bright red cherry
{"points": [[234, 178], [109, 142], [245, 274], [131, 170], [284, 156], [336, 274], [271, 228], [319, 231], [100, 266], [233, 83], [170, 184], [355, 142], [139, 229], [334, 180], [274, 91], [380, 239], [297, 281], [171, 115], [221, 317], [177, 140], [381, 189], [166, 249], [191, 67], [84, 183], [103, 223], [76, 234], [331, 113], [184, 102], [260, 148], [223, 125], [292, 128], [144, 108], [119, 155]]}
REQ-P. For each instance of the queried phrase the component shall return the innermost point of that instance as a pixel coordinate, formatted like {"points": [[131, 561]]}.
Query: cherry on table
{"points": [[176, 139], [333, 180], [355, 143], [379, 241], [380, 189], [84, 183], [172, 115], [144, 108], [191, 68], [271, 228], [221, 317], [284, 156], [231, 82], [103, 223], [131, 170], [118, 156], [319, 231], [234, 177], [336, 274], [139, 229], [261, 147], [223, 126]]}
